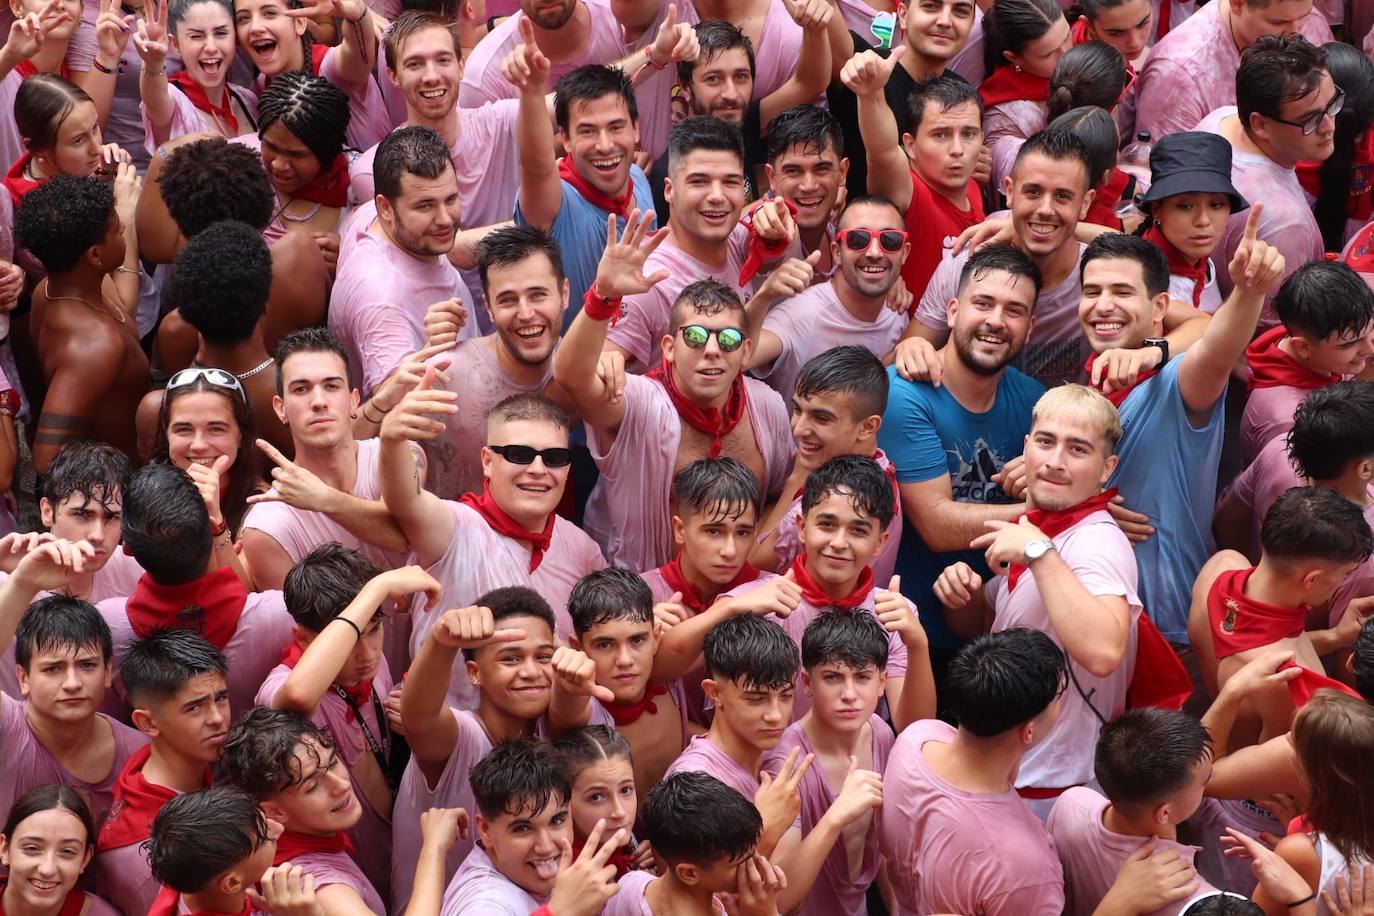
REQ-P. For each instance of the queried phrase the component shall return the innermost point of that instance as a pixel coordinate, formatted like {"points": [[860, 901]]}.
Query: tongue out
{"points": [[546, 869]]}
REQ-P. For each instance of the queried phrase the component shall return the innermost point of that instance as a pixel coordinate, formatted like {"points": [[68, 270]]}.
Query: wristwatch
{"points": [[1162, 344], [1037, 549]]}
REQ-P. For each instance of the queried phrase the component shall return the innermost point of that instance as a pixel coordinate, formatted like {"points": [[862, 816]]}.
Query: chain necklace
{"points": [[116, 315], [245, 376]]}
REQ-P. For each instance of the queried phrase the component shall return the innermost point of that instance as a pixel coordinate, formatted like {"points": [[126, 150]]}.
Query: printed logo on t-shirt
{"points": [[1228, 623], [973, 483]]}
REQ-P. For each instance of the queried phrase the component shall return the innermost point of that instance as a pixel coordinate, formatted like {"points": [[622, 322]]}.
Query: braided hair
{"points": [[312, 108]]}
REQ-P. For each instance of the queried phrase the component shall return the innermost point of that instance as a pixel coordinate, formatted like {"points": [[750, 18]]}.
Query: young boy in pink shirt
{"points": [[956, 836], [176, 682], [1326, 333], [299, 777]]}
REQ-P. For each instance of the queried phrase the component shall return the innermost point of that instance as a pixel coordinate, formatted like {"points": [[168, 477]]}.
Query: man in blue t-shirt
{"points": [[956, 440]]}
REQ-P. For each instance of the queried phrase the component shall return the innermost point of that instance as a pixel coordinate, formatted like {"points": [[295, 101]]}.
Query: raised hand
{"points": [[286, 890], [772, 220], [150, 41], [779, 597], [292, 484], [440, 828], [52, 565], [675, 41], [894, 612], [777, 797], [861, 793], [810, 14], [525, 66], [866, 73], [585, 884], [621, 271], [14, 546], [420, 414], [670, 613], [443, 322], [956, 585], [27, 33], [127, 185], [410, 580], [1257, 267], [206, 480], [112, 31], [759, 882], [471, 628], [575, 673]]}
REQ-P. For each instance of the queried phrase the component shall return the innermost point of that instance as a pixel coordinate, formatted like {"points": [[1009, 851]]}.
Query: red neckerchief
{"points": [[761, 250], [1165, 14], [629, 713], [814, 595], [1102, 211], [72, 905], [330, 187], [360, 693], [691, 598], [1309, 682], [1160, 678], [714, 422], [168, 902], [1360, 203], [1179, 265], [1078, 32], [1007, 84], [620, 206], [317, 56], [194, 92], [26, 69], [1053, 522], [1118, 396], [622, 859], [210, 605], [1270, 367], [135, 803], [18, 182], [291, 844], [506, 526], [1240, 623]]}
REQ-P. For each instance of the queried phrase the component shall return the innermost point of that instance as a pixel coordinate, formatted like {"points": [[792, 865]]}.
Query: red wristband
{"points": [[599, 308], [543, 911]]}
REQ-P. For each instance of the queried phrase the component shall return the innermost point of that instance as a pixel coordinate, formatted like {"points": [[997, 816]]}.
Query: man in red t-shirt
{"points": [[929, 175]]}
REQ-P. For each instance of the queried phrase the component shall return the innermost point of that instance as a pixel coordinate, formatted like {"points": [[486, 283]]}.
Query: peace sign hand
{"points": [[293, 484], [112, 31], [585, 884], [150, 41], [28, 33], [621, 271]]}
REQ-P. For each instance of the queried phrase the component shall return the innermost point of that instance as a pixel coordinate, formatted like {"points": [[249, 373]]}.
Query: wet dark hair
{"points": [[1146, 755], [853, 640], [416, 151], [324, 582], [1000, 681], [1322, 298], [1005, 257], [517, 777], [1058, 146], [310, 340], [852, 371], [196, 175], [57, 623], [1092, 74], [259, 753], [857, 477], [692, 817], [156, 666], [1222, 904], [1354, 73], [221, 282], [1011, 25], [584, 85], [166, 525], [1154, 267], [722, 488], [45, 798], [1332, 427], [714, 37], [198, 836], [813, 129], [62, 219], [609, 594], [514, 601], [591, 744], [1316, 523], [94, 470], [313, 109], [510, 245], [41, 105], [703, 297], [751, 652], [948, 90], [703, 132], [1097, 129], [1362, 661], [177, 10], [1275, 69]]}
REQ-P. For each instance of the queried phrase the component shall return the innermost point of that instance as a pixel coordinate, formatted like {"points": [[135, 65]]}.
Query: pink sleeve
{"points": [[368, 120], [933, 312], [1108, 567], [82, 47], [186, 119], [383, 340], [645, 316], [1163, 92]]}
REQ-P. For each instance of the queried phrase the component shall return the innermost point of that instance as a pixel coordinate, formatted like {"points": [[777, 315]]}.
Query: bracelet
{"points": [[1297, 903], [649, 56], [129, 270], [598, 307], [102, 68], [219, 529], [146, 72], [350, 623], [379, 419]]}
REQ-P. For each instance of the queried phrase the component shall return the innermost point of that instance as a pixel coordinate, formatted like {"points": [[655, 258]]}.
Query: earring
{"points": [[1017, 67]]}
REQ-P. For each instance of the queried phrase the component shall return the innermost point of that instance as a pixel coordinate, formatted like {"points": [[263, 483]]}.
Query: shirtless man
{"points": [[83, 317]]}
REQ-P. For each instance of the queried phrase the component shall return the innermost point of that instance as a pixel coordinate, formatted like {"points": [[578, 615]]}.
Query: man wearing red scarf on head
{"points": [[1313, 537], [696, 404]]}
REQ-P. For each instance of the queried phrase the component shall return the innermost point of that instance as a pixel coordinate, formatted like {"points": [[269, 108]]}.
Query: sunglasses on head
{"points": [[891, 240], [524, 454], [728, 339], [220, 377]]}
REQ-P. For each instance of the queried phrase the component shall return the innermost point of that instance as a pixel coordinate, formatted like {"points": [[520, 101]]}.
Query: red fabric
{"points": [[136, 803], [330, 187], [506, 526], [1035, 793], [1165, 13], [1360, 204], [761, 250], [1078, 32], [210, 605], [26, 69], [932, 223], [317, 55], [629, 713], [1309, 682], [194, 92], [168, 900], [72, 905], [1056, 521], [1240, 623], [1270, 367], [714, 422], [599, 308], [620, 206], [1119, 395], [691, 597], [291, 844], [1179, 265], [1102, 211], [1160, 678], [622, 859], [17, 182], [1360, 252], [360, 693], [814, 595], [1007, 84]]}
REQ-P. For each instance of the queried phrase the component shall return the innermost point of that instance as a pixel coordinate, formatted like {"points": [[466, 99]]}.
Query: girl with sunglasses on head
{"points": [[47, 844]]}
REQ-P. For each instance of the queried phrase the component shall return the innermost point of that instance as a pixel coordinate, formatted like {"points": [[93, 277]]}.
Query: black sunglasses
{"points": [[524, 454]]}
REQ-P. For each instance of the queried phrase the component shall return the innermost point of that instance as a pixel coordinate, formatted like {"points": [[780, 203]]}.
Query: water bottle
{"points": [[1135, 161]]}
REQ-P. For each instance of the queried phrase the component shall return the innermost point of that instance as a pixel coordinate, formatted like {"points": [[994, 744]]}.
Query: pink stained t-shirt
{"points": [[1265, 479], [1092, 855], [949, 850], [1006, 127], [339, 868], [123, 877], [188, 119], [478, 889], [696, 702], [1192, 71], [628, 513], [455, 455], [1268, 416], [814, 321], [644, 323], [380, 296], [788, 545], [702, 756], [1287, 222], [371, 836], [478, 560], [1100, 556], [839, 889]]}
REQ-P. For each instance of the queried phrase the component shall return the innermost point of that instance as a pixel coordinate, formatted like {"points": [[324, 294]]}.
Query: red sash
{"points": [[1309, 682], [360, 693], [26, 69], [136, 802], [330, 187], [72, 905], [18, 182], [1160, 678], [291, 844], [1270, 367], [1054, 522], [1179, 265], [762, 250], [814, 595], [168, 901], [629, 713], [1007, 84], [1240, 623], [210, 605], [620, 206], [224, 111], [506, 526], [716, 423], [691, 598]]}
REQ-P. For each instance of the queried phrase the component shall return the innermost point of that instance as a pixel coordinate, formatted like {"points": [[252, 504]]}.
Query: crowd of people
{"points": [[687, 457]]}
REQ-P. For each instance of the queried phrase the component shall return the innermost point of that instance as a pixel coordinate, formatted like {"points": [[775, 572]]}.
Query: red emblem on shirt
{"points": [[1229, 622]]}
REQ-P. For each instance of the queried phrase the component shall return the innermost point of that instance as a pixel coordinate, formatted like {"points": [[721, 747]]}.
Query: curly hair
{"points": [[60, 220], [211, 180]]}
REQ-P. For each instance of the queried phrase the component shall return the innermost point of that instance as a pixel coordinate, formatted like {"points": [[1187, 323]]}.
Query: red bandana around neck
{"points": [[136, 802], [210, 605], [1160, 678], [620, 206], [291, 844], [1117, 397], [224, 112], [168, 902], [360, 693], [1007, 84], [1309, 682], [1054, 522], [72, 904], [1102, 211], [629, 713], [761, 250], [26, 69], [330, 187], [714, 422], [17, 180], [506, 526], [814, 595], [1240, 623], [1179, 265], [1271, 367], [691, 597]]}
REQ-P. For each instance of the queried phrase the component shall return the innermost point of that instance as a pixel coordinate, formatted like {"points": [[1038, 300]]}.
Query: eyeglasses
{"points": [[524, 454], [697, 337], [891, 240], [220, 377], [1310, 123]]}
